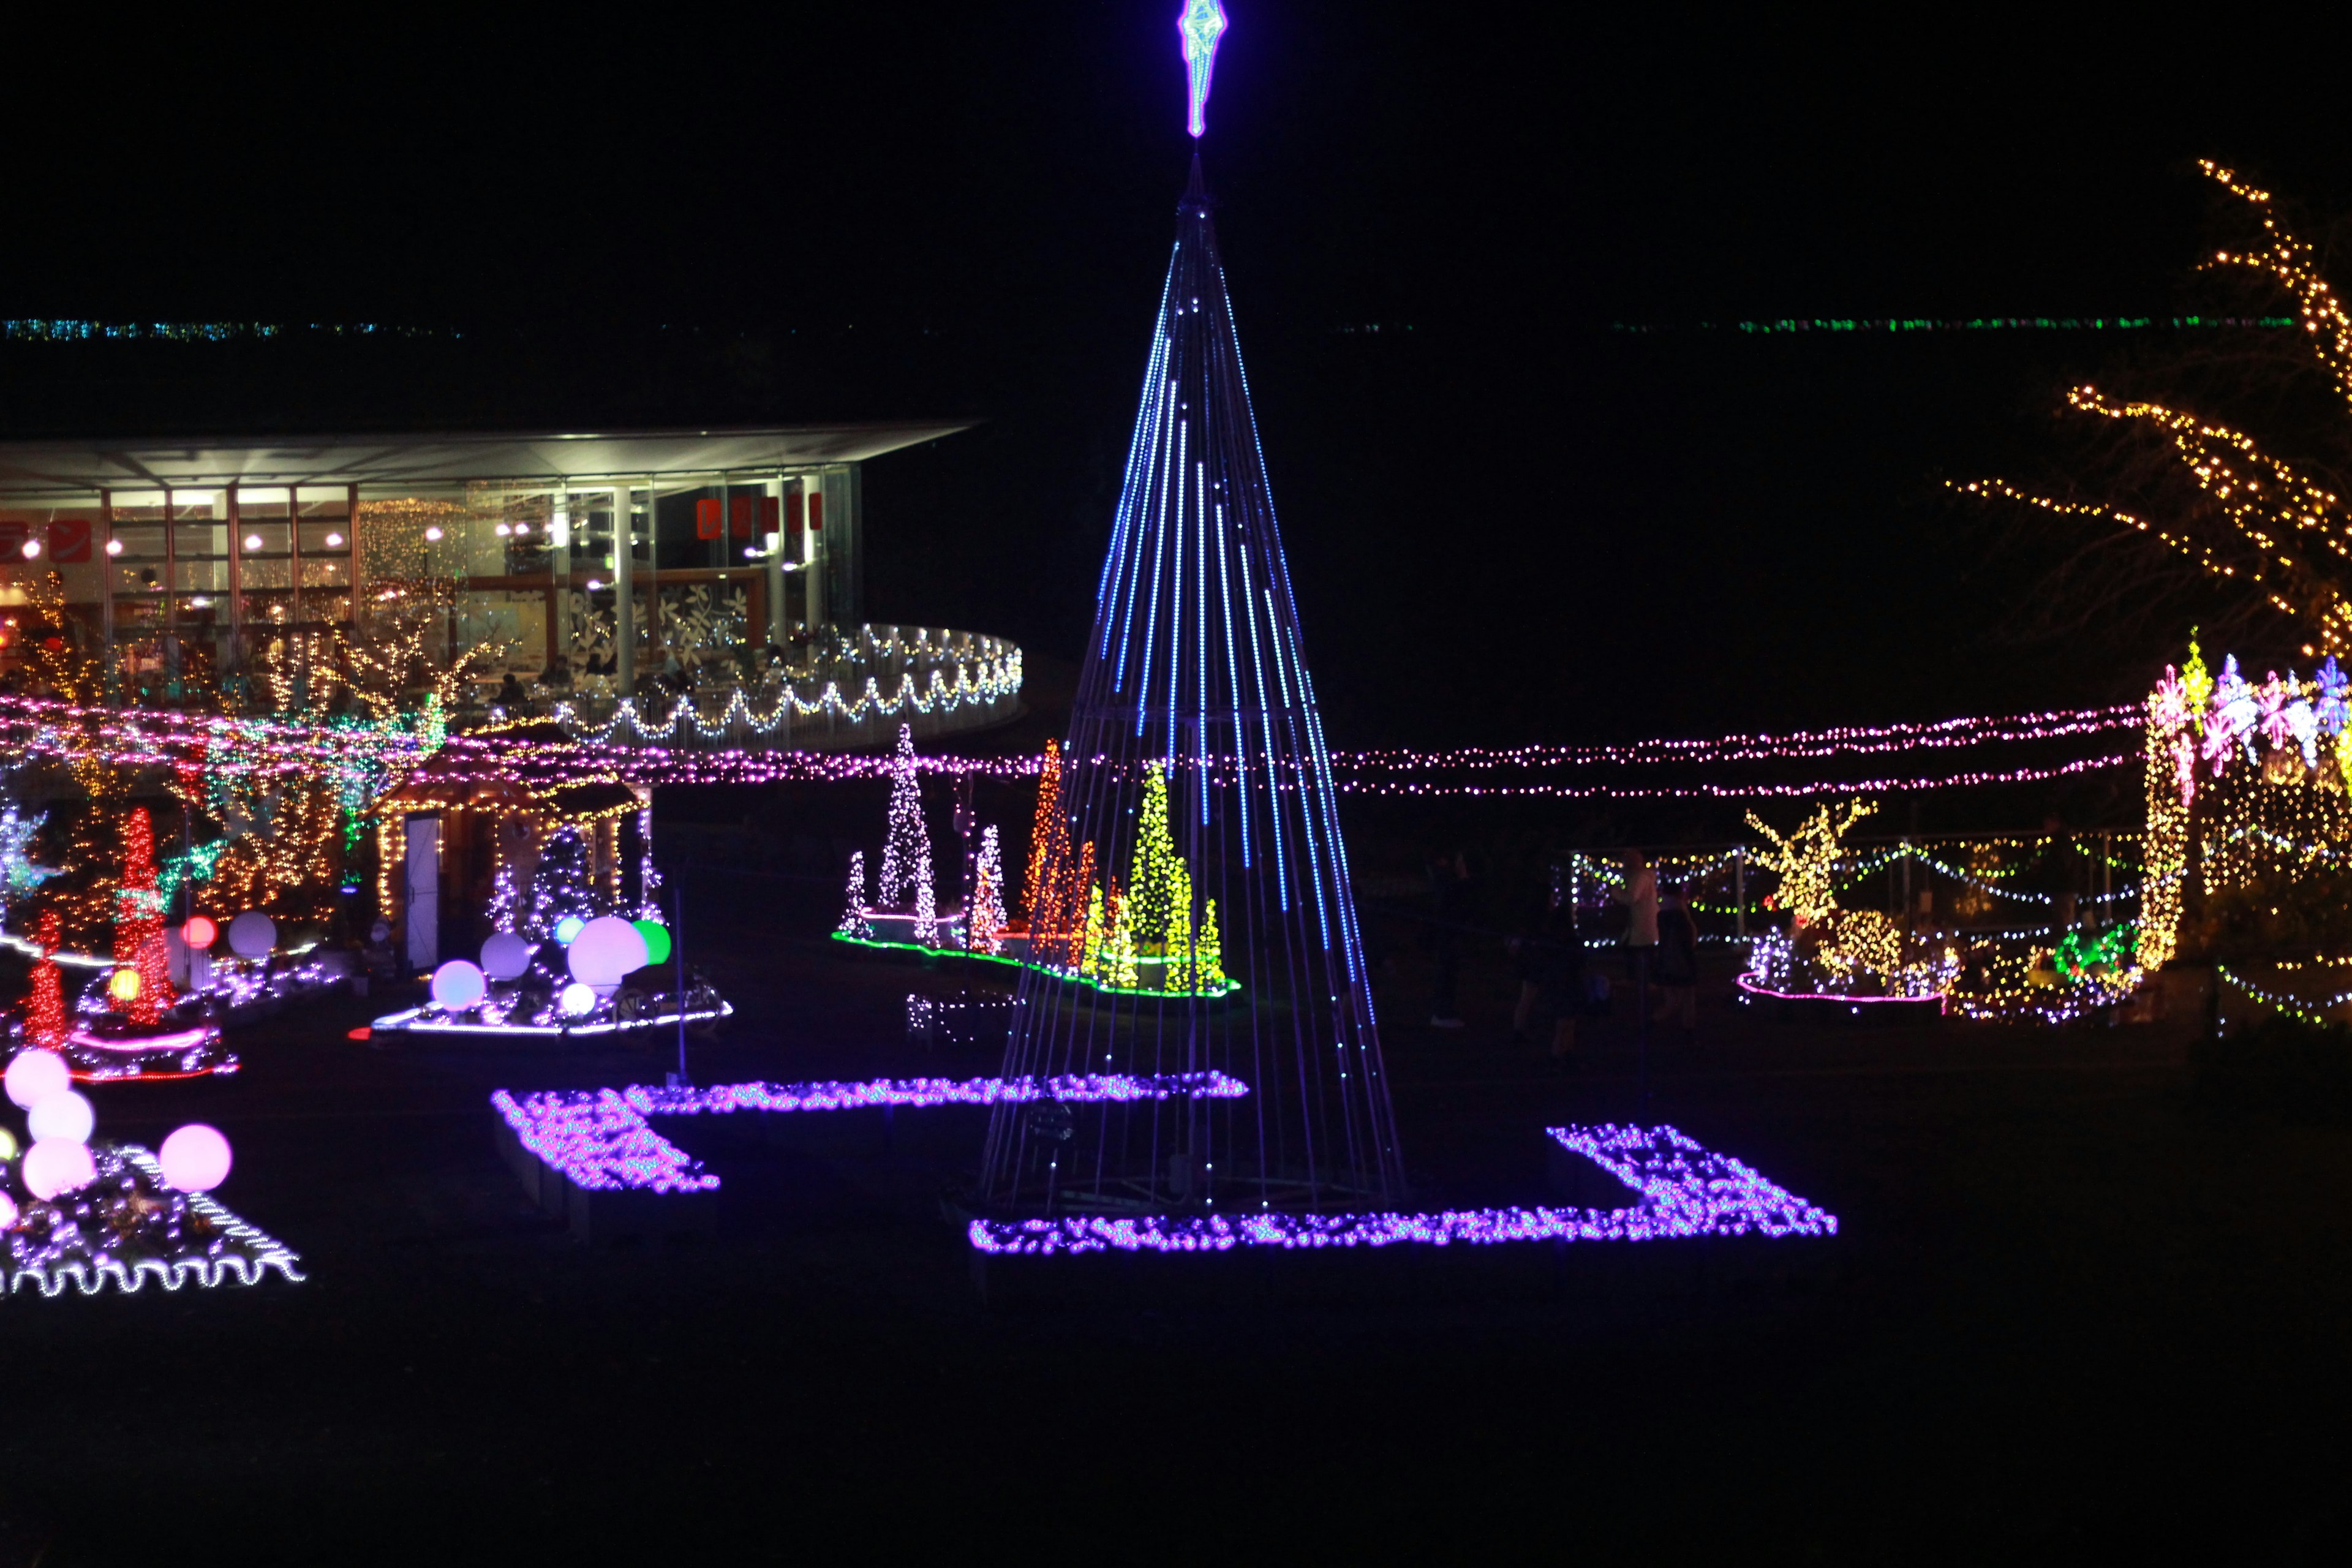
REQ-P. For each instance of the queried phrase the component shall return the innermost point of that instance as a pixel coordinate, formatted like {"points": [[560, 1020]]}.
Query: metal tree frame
{"points": [[1195, 666]]}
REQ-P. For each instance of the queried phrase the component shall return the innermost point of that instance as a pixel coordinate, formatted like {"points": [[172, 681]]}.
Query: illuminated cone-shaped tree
{"points": [[907, 851], [139, 946], [1196, 767], [45, 999], [984, 932], [853, 923]]}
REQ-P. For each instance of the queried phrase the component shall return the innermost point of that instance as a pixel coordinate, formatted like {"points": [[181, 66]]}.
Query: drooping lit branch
{"points": [[2254, 519]]}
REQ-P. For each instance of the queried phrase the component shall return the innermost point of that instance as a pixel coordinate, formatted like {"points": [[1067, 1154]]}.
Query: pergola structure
{"points": [[162, 544]]}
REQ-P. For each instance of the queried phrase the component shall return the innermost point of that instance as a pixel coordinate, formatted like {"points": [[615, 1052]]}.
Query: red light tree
{"points": [[45, 1002], [139, 923]]}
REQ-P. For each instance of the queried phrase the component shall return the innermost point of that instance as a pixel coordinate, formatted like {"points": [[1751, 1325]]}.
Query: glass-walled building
{"points": [[572, 562]]}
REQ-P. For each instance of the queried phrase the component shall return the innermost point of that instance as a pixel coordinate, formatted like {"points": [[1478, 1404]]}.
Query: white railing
{"points": [[935, 680]]}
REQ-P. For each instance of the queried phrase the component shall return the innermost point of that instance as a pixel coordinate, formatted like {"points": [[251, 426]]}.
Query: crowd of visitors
{"points": [[1552, 950]]}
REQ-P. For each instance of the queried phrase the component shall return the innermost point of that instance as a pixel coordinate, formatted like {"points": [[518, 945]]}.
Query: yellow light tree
{"points": [[2239, 513]]}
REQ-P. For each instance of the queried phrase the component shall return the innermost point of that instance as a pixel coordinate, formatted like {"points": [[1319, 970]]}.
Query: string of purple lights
{"points": [[599, 1139], [1684, 1190]]}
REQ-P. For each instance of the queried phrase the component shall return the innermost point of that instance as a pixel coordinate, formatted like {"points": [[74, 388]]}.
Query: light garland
{"points": [[2306, 1011], [1684, 1193], [1786, 325]]}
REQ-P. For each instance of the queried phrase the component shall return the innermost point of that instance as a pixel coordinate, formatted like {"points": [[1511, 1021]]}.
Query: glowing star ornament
{"points": [[1200, 26]]}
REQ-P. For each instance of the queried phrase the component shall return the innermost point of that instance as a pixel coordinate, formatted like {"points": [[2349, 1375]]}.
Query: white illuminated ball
{"points": [[54, 1165], [252, 934], [194, 1158], [606, 949], [577, 1001], [456, 984], [33, 1076], [506, 955], [64, 1116]]}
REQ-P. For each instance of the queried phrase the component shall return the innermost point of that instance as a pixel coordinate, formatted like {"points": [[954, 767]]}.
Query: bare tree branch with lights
{"points": [[2234, 512]]}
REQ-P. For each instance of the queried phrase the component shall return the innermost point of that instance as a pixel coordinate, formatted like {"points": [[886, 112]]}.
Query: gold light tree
{"points": [[2241, 514]]}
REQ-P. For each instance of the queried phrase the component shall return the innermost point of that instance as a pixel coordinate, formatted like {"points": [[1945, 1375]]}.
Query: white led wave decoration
{"points": [[87, 1257]]}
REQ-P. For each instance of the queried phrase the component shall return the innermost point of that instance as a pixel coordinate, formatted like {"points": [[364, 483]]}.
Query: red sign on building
{"points": [[70, 541]]}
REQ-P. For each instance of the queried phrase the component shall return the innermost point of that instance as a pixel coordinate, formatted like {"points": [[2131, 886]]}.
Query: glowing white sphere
{"points": [[33, 1076], [568, 928], [252, 934], [607, 948], [506, 955], [456, 984], [577, 1001], [194, 1158], [64, 1116], [54, 1165]]}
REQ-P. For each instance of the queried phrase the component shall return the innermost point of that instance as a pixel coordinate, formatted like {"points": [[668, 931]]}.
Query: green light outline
{"points": [[1232, 985]]}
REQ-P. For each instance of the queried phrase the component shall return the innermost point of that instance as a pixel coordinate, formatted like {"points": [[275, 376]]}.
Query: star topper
{"points": [[1202, 24]]}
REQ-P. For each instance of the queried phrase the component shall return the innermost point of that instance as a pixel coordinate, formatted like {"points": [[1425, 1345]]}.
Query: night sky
{"points": [[1506, 520]]}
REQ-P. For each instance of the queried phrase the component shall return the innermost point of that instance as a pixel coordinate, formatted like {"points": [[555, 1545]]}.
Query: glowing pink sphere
{"points": [[65, 1116], [54, 1165], [456, 984], [195, 1158], [606, 949], [7, 1211], [33, 1076], [505, 956]]}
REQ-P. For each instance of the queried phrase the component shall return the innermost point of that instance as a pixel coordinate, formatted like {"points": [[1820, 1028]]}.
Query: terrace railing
{"points": [[852, 691]]}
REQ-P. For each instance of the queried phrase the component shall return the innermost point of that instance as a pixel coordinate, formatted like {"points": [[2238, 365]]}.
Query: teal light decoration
{"points": [[1202, 24]]}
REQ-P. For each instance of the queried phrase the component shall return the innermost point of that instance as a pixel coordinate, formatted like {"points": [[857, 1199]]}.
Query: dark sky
{"points": [[1505, 523]]}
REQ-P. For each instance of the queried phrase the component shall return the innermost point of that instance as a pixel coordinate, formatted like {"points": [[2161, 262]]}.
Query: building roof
{"points": [[55, 466]]}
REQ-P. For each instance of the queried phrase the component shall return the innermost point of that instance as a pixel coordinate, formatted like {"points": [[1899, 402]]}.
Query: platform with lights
{"points": [[82, 1214], [517, 992]]}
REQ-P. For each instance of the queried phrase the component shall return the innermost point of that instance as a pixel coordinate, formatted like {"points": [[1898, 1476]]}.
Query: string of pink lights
{"points": [[34, 728], [1843, 741]]}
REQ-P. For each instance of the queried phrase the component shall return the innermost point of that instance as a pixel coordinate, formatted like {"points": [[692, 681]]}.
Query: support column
{"points": [[813, 552], [558, 581], [775, 563], [105, 571], [231, 656], [624, 608]]}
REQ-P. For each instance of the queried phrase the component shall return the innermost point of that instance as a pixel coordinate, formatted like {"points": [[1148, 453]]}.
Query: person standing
{"points": [[1677, 964], [1640, 897]]}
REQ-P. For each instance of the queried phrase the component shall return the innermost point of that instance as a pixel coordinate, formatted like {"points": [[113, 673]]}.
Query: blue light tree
{"points": [[1195, 674]]}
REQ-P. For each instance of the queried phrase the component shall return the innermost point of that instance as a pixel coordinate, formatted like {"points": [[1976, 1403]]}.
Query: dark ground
{"points": [[2071, 1314]]}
